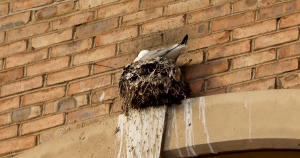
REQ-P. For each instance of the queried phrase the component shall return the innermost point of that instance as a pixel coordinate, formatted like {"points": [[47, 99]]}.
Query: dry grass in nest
{"points": [[153, 82]]}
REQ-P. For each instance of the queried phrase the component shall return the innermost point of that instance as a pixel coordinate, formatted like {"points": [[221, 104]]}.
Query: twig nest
{"points": [[152, 82]]}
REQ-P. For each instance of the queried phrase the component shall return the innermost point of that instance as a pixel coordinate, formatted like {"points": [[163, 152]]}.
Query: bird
{"points": [[172, 52]]}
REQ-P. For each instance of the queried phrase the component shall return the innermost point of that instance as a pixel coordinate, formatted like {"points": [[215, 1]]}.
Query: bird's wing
{"points": [[158, 53]]}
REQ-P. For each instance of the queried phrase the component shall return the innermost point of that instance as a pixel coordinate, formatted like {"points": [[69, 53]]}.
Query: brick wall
{"points": [[60, 59]]}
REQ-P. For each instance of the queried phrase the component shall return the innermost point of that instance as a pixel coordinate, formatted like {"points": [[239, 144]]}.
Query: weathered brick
{"points": [[196, 86], [5, 119], [70, 48], [276, 38], [230, 78], [73, 20], [191, 58], [117, 105], [50, 108], [52, 38], [89, 84], [229, 50], [118, 35], [8, 132], [2, 37], [48, 66], [113, 63], [4, 8], [86, 4], [185, 6], [21, 86], [26, 113], [290, 20], [254, 29], [278, 10], [210, 13], [105, 94], [41, 124], [142, 16], [8, 104], [138, 44], [217, 2], [17, 144], [215, 92], [43, 95], [11, 75], [54, 11], [69, 74], [88, 113], [163, 24], [12, 48], [94, 55], [26, 58], [153, 3], [232, 21], [66, 104], [118, 9], [209, 40], [206, 69], [254, 58], [96, 28], [289, 50], [276, 68], [256, 85], [81, 100], [290, 80], [250, 4], [26, 4], [14, 20], [116, 76]]}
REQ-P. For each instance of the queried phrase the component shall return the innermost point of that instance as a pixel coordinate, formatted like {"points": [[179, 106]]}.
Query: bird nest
{"points": [[153, 82]]}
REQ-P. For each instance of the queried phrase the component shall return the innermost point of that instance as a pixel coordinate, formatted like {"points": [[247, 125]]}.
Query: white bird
{"points": [[172, 52]]}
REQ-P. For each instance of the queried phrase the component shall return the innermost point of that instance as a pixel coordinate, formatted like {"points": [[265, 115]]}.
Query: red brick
{"points": [[13, 48], [69, 74], [2, 37], [209, 13], [254, 29], [18, 5], [118, 35], [289, 50], [8, 132], [117, 105], [256, 85], [11, 75], [138, 44], [52, 38], [153, 3], [209, 40], [232, 21], [117, 76], [206, 69], [191, 57], [142, 16], [276, 68], [81, 100], [70, 48], [276, 38], [44, 95], [48, 66], [229, 50], [105, 94], [89, 84], [185, 6], [88, 113], [41, 124], [73, 20], [290, 80], [163, 24], [54, 11], [8, 104], [21, 86], [215, 92], [196, 86], [3, 9], [17, 144], [231, 78], [290, 20], [278, 10], [5, 119], [94, 55], [216, 2], [86, 4], [26, 113], [113, 63], [252, 4], [96, 28], [254, 58], [14, 20], [26, 58], [118, 9]]}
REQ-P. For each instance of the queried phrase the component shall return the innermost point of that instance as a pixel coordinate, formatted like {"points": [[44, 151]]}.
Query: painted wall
{"points": [[60, 59]]}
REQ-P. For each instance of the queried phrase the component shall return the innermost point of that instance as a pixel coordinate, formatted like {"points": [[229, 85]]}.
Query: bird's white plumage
{"points": [[141, 54]]}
